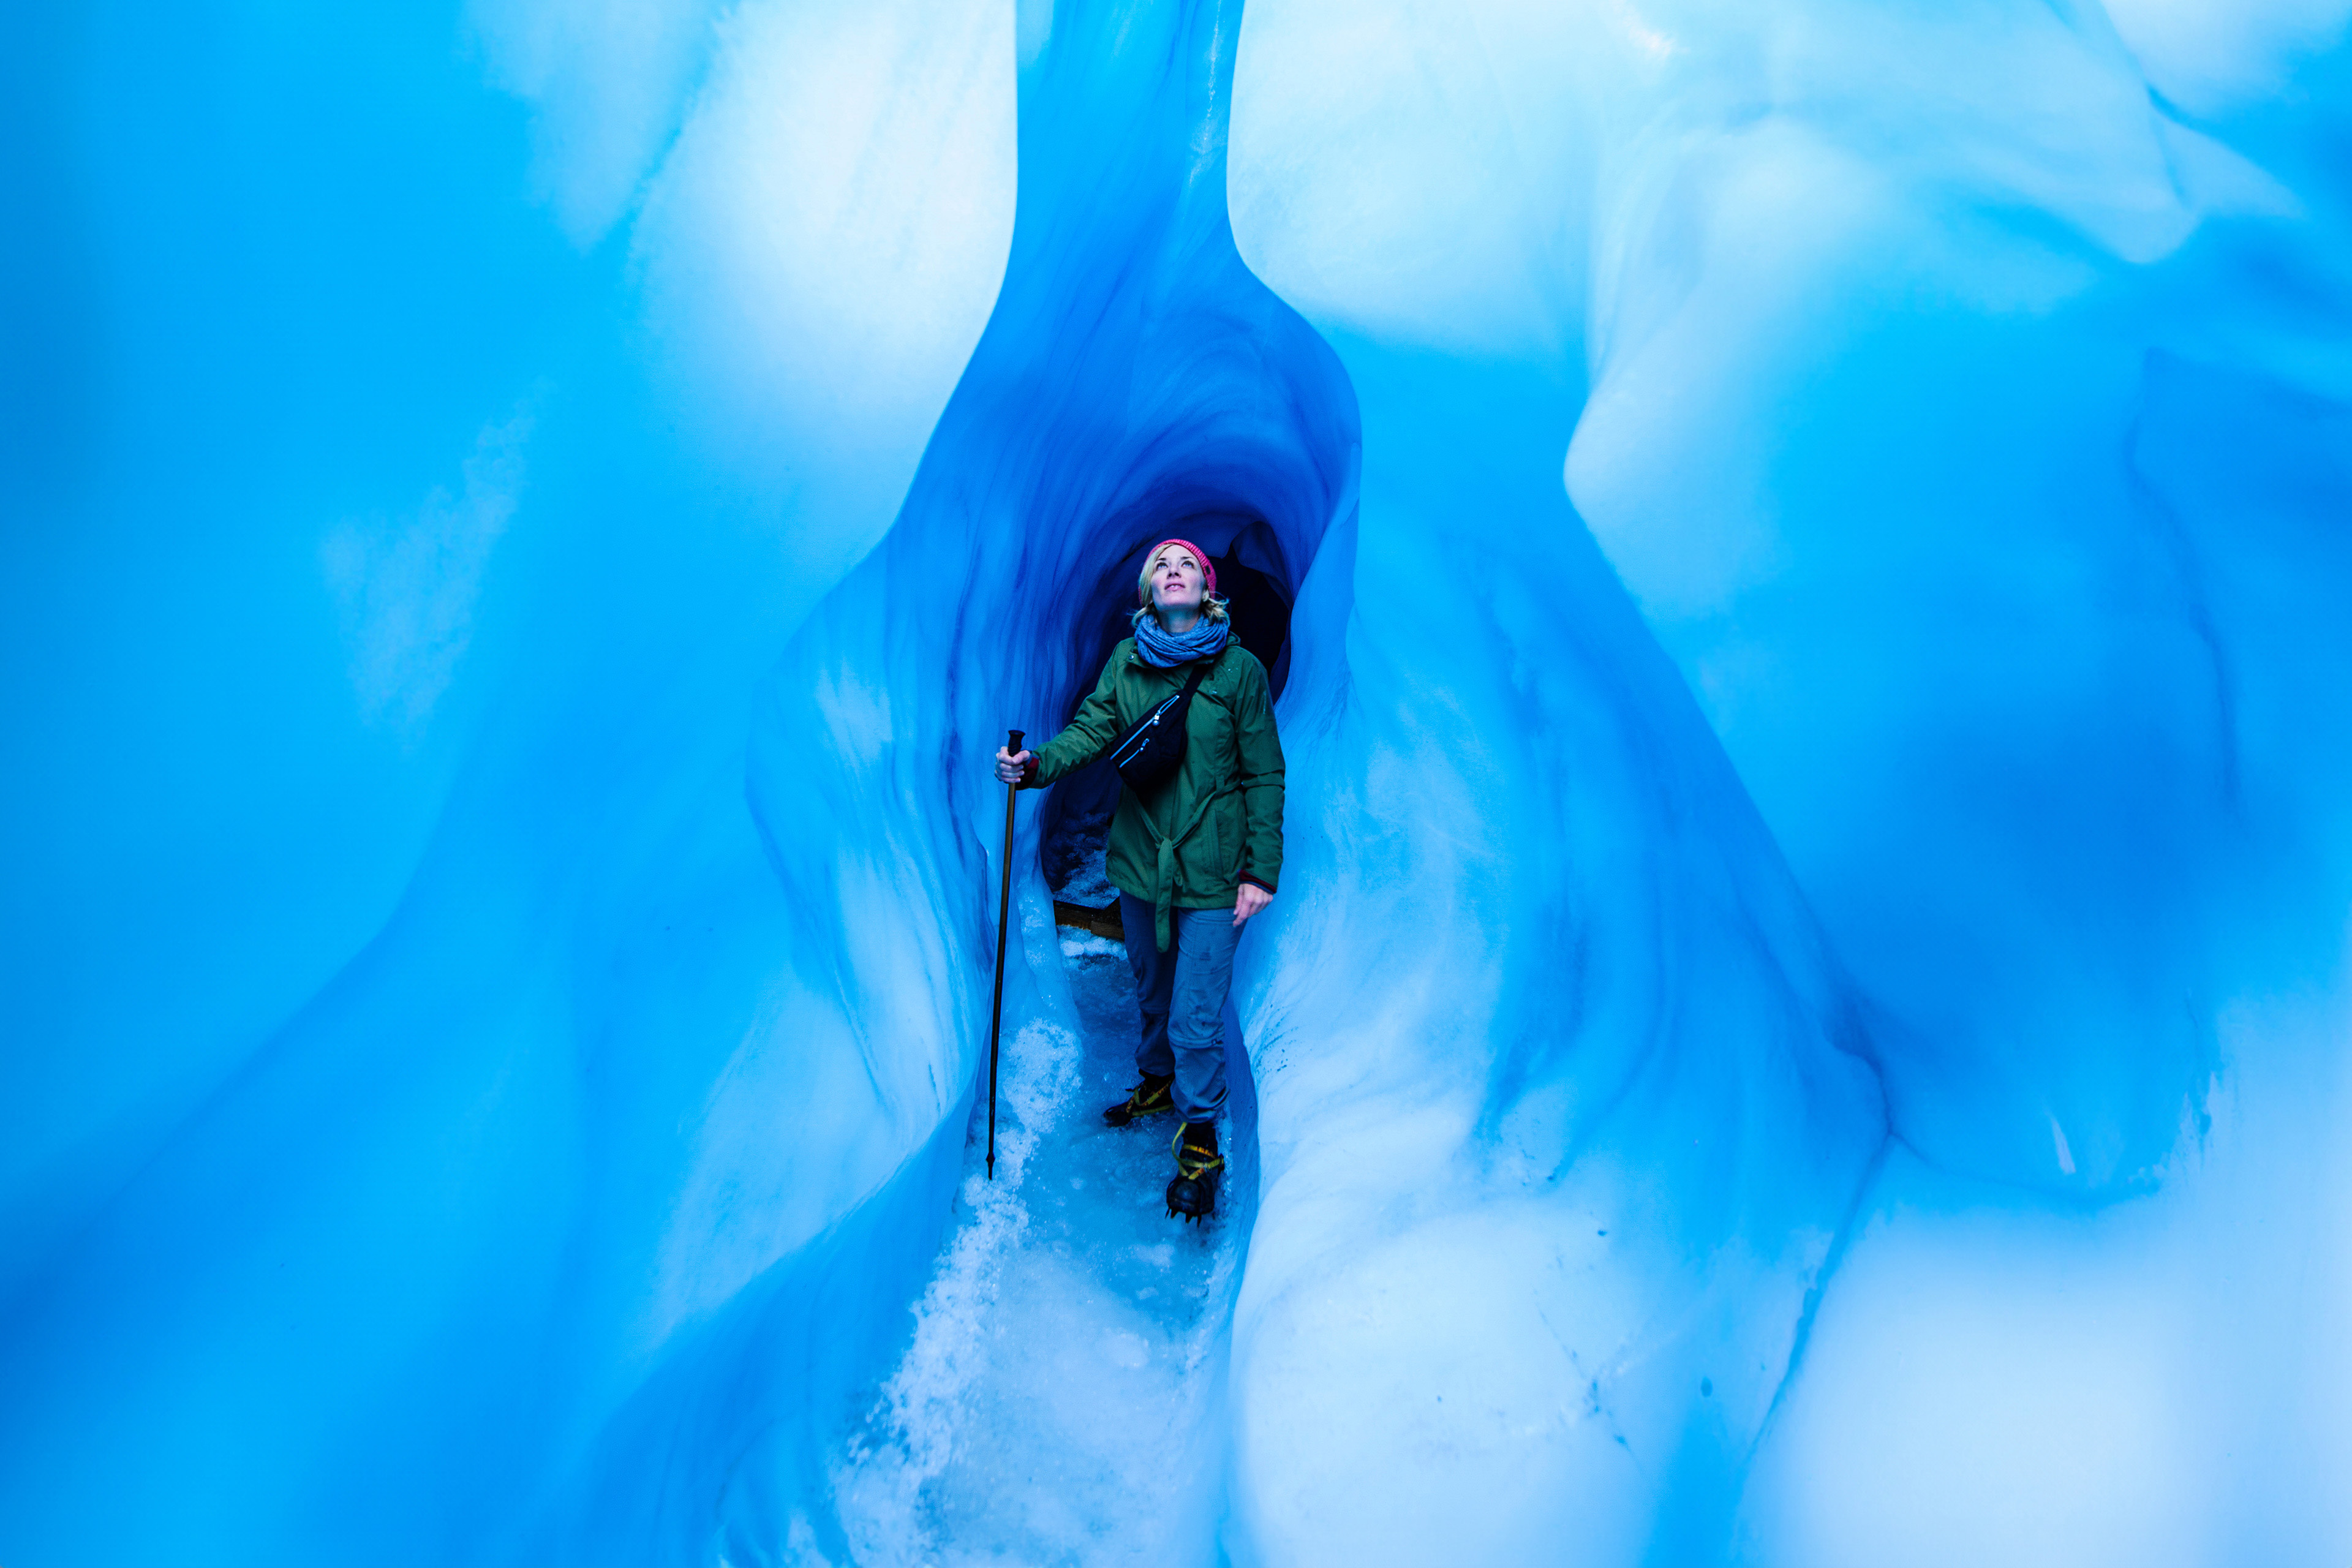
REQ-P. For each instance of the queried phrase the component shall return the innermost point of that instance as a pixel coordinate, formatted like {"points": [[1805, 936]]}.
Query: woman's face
{"points": [[1176, 580]]}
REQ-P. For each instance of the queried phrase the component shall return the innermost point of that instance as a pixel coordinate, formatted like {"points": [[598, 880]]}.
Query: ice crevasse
{"points": [[1804, 1020]]}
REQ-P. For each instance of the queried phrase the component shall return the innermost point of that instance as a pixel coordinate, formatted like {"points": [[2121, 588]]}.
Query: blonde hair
{"points": [[1213, 606]]}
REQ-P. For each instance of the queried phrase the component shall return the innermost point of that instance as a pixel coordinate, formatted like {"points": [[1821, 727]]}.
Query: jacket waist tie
{"points": [[1164, 876]]}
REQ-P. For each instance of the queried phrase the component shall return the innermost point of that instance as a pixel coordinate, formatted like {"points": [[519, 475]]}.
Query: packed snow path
{"points": [[1059, 1403]]}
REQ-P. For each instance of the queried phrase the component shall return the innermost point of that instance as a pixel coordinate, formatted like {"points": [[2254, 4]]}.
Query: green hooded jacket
{"points": [[1218, 823]]}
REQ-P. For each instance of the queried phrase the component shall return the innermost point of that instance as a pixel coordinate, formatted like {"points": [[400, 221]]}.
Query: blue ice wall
{"points": [[1873, 366], [1875, 353], [389, 577]]}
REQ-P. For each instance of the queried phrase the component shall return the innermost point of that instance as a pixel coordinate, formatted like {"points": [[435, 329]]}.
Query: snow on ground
{"points": [[1089, 882], [1057, 1404]]}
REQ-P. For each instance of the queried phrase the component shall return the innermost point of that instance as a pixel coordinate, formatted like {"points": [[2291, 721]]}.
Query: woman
{"points": [[1195, 856]]}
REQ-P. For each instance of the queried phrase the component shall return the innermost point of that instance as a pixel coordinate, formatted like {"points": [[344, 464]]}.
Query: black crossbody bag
{"points": [[1148, 754]]}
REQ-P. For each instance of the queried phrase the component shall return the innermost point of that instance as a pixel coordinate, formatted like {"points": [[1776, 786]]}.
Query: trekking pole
{"points": [[1004, 914]]}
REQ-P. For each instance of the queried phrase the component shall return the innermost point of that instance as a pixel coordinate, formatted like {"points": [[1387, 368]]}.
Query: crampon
{"points": [[1193, 1194], [1153, 1096]]}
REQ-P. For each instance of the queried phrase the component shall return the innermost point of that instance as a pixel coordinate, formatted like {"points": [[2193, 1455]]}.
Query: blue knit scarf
{"points": [[1158, 647]]}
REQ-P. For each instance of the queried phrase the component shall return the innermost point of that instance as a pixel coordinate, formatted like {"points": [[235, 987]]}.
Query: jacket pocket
{"points": [[1232, 845]]}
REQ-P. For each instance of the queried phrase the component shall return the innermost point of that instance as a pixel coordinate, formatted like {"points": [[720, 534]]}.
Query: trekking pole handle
{"points": [[1012, 741]]}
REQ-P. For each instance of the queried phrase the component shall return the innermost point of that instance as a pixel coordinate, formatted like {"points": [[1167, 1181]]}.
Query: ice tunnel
{"points": [[1800, 549]]}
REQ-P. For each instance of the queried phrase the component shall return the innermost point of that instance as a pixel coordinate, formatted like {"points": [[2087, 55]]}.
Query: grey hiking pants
{"points": [[1183, 994]]}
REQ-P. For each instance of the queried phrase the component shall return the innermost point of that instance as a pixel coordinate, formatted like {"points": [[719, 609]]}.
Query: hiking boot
{"points": [[1153, 1095], [1193, 1192]]}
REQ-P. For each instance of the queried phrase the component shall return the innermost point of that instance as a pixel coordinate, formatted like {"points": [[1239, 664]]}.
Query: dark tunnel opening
{"points": [[1259, 584]]}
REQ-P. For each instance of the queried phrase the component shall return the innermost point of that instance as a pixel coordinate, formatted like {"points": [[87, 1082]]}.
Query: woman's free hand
{"points": [[1249, 901], [1009, 767]]}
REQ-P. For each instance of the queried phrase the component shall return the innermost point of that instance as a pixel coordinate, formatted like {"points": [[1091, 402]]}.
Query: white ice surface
{"points": [[1059, 1404]]}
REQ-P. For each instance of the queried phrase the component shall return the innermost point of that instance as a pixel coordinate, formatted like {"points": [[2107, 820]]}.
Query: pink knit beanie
{"points": [[1208, 568]]}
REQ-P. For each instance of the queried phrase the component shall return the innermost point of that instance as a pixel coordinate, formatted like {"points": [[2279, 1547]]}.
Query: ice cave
{"points": [[1801, 552]]}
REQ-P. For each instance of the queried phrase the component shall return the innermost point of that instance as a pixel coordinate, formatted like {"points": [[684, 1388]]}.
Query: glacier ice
{"points": [[1806, 1015]]}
